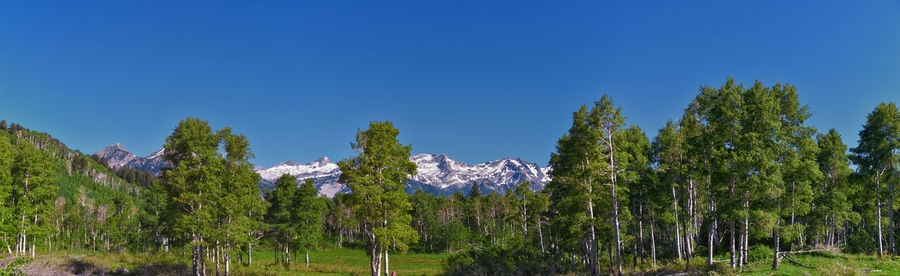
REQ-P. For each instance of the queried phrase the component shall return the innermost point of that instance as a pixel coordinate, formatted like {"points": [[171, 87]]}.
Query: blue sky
{"points": [[477, 80]]}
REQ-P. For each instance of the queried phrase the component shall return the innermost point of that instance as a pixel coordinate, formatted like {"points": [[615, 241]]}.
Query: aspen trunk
{"points": [[677, 226], [374, 255], [592, 246], [195, 260], [776, 240], [216, 258], [891, 216], [878, 218], [652, 241], [733, 260]]}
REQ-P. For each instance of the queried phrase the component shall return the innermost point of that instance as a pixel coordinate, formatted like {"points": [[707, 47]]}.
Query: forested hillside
{"points": [[55, 196]]}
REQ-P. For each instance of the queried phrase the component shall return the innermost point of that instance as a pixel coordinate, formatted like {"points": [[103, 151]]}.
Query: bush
{"points": [[861, 242], [15, 267], [760, 252], [495, 260]]}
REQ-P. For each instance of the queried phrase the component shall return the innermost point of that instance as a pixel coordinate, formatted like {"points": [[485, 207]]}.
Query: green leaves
{"points": [[879, 140], [211, 184], [377, 177]]}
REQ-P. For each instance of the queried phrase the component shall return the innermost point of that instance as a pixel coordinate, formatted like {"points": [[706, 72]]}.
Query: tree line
{"points": [[740, 177]]}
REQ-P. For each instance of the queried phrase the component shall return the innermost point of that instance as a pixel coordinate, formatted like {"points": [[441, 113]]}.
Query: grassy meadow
{"points": [[321, 262]]}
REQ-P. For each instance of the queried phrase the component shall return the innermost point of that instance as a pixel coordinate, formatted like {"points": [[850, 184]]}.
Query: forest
{"points": [[740, 179]]}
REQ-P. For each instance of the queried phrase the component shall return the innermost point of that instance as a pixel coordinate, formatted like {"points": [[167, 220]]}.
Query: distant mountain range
{"points": [[436, 174], [117, 156]]}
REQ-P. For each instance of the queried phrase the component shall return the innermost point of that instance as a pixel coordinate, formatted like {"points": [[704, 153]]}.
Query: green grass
{"points": [[355, 262], [322, 262], [829, 264], [344, 262]]}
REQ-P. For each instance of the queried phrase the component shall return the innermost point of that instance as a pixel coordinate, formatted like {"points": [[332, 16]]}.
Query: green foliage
{"points": [[760, 253], [496, 260], [376, 178], [739, 176], [281, 207], [308, 216], [15, 267], [861, 241], [211, 185]]}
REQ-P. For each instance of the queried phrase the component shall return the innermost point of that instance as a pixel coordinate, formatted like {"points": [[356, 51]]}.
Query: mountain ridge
{"points": [[436, 174]]}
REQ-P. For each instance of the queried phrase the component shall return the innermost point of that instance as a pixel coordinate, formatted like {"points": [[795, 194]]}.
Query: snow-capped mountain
{"points": [[437, 171], [117, 156], [323, 171], [436, 174]]}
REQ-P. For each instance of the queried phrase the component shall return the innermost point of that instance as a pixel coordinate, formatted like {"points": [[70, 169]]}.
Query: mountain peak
{"points": [[288, 163], [436, 173], [115, 146], [322, 161], [116, 155]]}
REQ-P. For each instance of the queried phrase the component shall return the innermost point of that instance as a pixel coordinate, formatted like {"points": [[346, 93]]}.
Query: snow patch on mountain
{"points": [[436, 174], [117, 156]]}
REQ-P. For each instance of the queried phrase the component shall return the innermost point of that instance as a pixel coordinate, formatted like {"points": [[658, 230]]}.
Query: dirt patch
{"points": [[89, 265], [79, 267]]}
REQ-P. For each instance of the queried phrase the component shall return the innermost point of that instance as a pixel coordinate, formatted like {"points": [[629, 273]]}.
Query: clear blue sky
{"points": [[472, 79]]}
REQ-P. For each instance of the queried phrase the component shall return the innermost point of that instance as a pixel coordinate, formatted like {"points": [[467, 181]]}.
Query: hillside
{"points": [[71, 168]]}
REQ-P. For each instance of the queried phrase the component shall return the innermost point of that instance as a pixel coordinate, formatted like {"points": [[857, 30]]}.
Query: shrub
{"points": [[760, 252]]}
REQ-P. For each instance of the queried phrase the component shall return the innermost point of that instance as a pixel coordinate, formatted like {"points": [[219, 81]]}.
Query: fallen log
{"points": [[692, 272], [796, 262], [804, 251]]}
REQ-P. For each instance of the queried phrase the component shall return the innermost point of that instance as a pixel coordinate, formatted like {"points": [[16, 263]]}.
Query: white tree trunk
{"points": [[878, 218]]}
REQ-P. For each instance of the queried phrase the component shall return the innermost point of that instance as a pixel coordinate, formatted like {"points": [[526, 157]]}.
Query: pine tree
{"points": [[475, 191]]}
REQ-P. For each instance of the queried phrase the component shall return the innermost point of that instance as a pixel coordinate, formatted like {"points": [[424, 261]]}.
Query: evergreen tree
{"points": [[475, 191]]}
